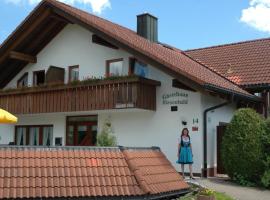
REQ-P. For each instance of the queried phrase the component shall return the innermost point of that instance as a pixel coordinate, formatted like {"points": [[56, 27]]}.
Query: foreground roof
{"points": [[74, 172], [245, 63], [168, 59]]}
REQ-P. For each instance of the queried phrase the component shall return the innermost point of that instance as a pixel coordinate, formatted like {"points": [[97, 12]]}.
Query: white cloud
{"points": [[97, 5], [257, 15]]}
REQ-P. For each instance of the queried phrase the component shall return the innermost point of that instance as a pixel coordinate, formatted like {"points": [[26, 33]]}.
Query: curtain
{"points": [[34, 136], [47, 139], [21, 136]]}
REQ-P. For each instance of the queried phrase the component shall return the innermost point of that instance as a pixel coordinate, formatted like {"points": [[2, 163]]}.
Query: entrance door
{"points": [[80, 132], [220, 133]]}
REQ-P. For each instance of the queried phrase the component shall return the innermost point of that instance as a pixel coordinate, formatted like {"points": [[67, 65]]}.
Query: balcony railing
{"points": [[130, 92]]}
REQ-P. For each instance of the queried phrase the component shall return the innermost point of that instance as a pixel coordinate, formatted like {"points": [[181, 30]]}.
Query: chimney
{"points": [[147, 26]]}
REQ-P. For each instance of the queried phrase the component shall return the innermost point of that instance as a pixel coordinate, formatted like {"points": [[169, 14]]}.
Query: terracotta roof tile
{"points": [[245, 63], [153, 171], [27, 172]]}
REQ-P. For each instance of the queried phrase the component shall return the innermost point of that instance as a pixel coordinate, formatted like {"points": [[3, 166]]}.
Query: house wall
{"points": [[73, 46], [214, 118], [132, 127]]}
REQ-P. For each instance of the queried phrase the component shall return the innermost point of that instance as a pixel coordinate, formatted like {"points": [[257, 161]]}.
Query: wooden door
{"points": [[80, 134], [220, 133]]}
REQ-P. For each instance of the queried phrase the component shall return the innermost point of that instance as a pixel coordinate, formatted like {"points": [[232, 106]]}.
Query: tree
{"points": [[106, 138]]}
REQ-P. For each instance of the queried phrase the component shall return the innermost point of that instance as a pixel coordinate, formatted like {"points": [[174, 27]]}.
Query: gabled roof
{"points": [[245, 63], [82, 172], [171, 60]]}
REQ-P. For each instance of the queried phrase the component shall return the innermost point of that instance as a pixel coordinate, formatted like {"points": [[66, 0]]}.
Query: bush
{"points": [[106, 138], [266, 150], [266, 176], [242, 148]]}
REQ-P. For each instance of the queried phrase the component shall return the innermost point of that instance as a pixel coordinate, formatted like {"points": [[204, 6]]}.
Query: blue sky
{"points": [[185, 24]]}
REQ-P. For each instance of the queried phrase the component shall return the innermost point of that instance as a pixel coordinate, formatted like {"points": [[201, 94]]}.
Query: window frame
{"points": [[21, 78], [108, 62], [28, 133], [34, 73], [132, 68], [70, 68]]}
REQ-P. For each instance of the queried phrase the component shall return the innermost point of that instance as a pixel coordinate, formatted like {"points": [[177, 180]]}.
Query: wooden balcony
{"points": [[130, 92]]}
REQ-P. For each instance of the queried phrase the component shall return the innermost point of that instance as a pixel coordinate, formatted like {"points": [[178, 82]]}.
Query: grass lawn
{"points": [[218, 195]]}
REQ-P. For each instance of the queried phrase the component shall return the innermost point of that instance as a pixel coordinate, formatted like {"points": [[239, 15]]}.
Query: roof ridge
{"points": [[228, 44]]}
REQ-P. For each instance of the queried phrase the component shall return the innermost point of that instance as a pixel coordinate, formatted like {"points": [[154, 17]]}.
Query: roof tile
{"points": [[244, 63], [40, 173]]}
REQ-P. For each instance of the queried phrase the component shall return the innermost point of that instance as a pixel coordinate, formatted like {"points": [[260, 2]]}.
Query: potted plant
{"points": [[206, 194]]}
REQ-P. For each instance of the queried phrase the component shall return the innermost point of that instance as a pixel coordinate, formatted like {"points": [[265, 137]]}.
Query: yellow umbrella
{"points": [[6, 117]]}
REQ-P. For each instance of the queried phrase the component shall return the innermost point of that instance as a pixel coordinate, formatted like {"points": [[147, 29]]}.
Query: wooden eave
{"points": [[31, 36]]}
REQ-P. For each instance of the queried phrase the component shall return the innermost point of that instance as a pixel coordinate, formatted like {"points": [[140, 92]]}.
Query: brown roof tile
{"points": [[85, 172], [245, 63], [153, 171]]}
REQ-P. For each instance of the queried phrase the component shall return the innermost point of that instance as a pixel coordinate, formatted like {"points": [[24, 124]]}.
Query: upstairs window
{"points": [[73, 73], [39, 77], [114, 67], [138, 68], [23, 81]]}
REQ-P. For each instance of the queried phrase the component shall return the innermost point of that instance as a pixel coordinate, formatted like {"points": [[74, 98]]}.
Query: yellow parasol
{"points": [[6, 117]]}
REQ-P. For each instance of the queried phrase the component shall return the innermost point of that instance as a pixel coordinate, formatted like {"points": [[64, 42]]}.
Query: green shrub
{"points": [[242, 149], [106, 138], [266, 176]]}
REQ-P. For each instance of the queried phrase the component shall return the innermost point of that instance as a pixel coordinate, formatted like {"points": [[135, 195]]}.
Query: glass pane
{"points": [[83, 119], [47, 138], [74, 74], [24, 81], [34, 136], [116, 68], [82, 133], [70, 135], [21, 136], [140, 69]]}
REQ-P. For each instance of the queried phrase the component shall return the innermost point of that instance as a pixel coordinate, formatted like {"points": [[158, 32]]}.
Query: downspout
{"points": [[205, 134]]}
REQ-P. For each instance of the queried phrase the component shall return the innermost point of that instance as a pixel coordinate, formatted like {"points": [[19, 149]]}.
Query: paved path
{"points": [[233, 190]]}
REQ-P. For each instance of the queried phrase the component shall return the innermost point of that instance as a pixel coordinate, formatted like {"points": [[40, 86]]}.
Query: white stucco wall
{"points": [[73, 46], [161, 128], [221, 115]]}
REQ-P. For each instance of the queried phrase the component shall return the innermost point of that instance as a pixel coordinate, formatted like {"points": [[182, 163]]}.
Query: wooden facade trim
{"points": [[22, 57], [110, 94]]}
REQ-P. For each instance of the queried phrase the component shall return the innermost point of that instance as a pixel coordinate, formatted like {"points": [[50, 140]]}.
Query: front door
{"points": [[81, 133], [220, 133]]}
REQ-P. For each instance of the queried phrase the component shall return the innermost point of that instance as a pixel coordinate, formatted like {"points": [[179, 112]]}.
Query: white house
{"points": [[56, 52]]}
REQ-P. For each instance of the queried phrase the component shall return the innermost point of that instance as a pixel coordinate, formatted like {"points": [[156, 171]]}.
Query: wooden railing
{"points": [[107, 94]]}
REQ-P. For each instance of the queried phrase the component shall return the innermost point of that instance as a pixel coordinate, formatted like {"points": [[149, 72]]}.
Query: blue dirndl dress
{"points": [[185, 154]]}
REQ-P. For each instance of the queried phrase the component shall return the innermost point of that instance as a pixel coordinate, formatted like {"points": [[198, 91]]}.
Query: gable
{"points": [[169, 60]]}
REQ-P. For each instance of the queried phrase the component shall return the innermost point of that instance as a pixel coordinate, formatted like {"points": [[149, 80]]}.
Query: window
{"points": [[73, 73], [38, 77], [138, 68], [81, 130], [114, 67], [23, 81], [38, 135]]}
